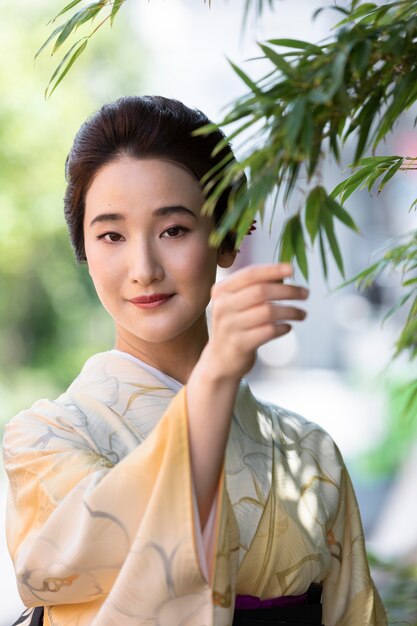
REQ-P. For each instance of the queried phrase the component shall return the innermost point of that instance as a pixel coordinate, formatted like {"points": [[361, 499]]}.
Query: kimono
{"points": [[103, 528]]}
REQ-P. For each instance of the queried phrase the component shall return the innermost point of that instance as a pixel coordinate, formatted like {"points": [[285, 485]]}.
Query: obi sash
{"points": [[304, 610]]}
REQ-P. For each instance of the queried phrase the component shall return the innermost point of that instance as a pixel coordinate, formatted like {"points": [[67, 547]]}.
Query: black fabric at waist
{"points": [[308, 615]]}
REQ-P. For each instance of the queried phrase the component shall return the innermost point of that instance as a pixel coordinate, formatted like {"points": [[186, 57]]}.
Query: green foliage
{"points": [[68, 27], [398, 584], [370, 169], [317, 96], [400, 256], [386, 457]]}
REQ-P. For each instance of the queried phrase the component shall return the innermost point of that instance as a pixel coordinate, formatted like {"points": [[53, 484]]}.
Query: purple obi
{"points": [[252, 602]]}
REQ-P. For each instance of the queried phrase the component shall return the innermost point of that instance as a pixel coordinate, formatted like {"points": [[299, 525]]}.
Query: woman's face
{"points": [[147, 250]]}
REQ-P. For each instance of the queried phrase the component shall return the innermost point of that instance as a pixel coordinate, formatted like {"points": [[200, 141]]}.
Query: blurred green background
{"points": [[50, 321]]}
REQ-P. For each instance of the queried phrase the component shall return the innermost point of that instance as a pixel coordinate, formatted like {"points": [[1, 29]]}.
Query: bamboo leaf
{"points": [[338, 70], [410, 281], [374, 160], [67, 8], [315, 201], [294, 123], [367, 276], [207, 129], [66, 32], [334, 143], [377, 17], [364, 131], [50, 38], [57, 70], [407, 338], [355, 181], [373, 178], [115, 9], [294, 170], [252, 86], [79, 18], [219, 167], [331, 237], [365, 115], [278, 60], [339, 189], [365, 121], [89, 12], [307, 134], [364, 9], [65, 65], [287, 238], [359, 57], [296, 43], [390, 173], [299, 246], [400, 102], [323, 254], [398, 305], [341, 214], [315, 153]]}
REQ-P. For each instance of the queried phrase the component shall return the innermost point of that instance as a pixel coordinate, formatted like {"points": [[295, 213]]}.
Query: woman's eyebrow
{"points": [[159, 212], [108, 217], [171, 210]]}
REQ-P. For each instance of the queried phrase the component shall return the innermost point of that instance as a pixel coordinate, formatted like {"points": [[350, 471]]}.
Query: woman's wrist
{"points": [[212, 371]]}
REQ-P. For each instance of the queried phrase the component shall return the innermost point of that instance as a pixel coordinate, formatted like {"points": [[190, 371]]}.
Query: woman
{"points": [[157, 489]]}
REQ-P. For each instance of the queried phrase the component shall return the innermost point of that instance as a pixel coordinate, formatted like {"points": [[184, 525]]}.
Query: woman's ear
{"points": [[225, 257]]}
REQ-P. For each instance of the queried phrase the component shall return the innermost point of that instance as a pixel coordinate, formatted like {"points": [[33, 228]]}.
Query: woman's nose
{"points": [[144, 264]]}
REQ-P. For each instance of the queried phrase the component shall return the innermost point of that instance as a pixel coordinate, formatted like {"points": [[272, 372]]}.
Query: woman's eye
{"points": [[174, 231], [110, 237]]}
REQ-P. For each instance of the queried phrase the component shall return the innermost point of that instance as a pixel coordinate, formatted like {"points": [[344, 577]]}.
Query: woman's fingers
{"points": [[264, 292], [255, 274], [247, 313], [257, 337], [268, 313], [257, 284]]}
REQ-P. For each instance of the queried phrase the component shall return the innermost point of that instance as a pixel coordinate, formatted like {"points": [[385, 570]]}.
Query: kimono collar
{"points": [[168, 381]]}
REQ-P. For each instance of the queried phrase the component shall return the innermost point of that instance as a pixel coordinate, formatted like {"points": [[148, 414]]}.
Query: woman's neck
{"points": [[176, 358]]}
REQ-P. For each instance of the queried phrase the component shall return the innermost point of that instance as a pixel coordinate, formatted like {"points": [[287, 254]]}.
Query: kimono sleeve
{"points": [[349, 594], [84, 532]]}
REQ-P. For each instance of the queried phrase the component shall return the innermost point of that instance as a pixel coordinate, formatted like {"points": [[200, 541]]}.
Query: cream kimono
{"points": [[102, 525]]}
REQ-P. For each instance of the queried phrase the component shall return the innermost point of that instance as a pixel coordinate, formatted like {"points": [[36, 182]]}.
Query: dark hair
{"points": [[140, 127]]}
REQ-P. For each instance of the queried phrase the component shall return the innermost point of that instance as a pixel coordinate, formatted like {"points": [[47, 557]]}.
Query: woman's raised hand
{"points": [[247, 312]]}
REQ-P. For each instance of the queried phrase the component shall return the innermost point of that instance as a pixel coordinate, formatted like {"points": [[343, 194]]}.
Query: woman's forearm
{"points": [[210, 401]]}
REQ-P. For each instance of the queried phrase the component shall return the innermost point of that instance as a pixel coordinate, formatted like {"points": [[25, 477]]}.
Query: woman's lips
{"points": [[151, 301]]}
